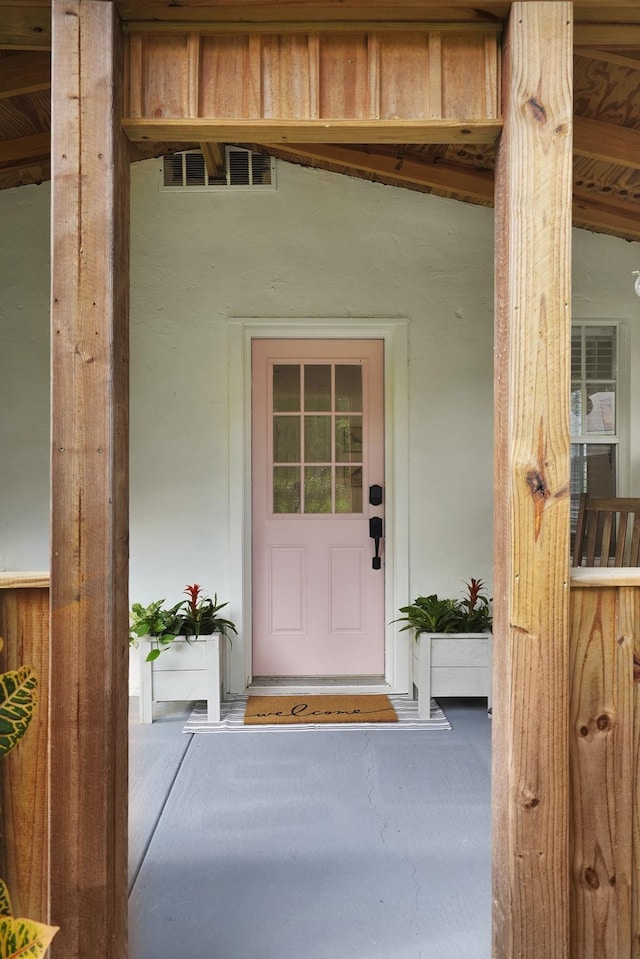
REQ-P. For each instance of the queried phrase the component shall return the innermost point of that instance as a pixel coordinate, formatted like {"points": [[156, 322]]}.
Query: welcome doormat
{"points": [[232, 719], [281, 710]]}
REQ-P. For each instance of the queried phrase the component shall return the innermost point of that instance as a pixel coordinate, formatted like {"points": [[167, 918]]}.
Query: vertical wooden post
{"points": [[89, 597], [532, 340]]}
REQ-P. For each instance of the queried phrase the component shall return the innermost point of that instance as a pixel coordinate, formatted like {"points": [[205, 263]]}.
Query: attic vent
{"points": [[244, 170]]}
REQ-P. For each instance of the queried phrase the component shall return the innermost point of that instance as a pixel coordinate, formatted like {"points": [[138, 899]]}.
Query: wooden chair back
{"points": [[607, 532]]}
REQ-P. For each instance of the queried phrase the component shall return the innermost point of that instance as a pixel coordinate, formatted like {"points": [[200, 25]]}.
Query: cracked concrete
{"points": [[371, 845]]}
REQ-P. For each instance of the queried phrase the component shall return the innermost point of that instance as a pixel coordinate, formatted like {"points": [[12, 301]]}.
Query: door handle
{"points": [[375, 532]]}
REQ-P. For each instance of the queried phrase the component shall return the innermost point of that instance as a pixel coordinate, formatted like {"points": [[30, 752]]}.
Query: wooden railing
{"points": [[24, 846], [604, 753], [604, 745]]}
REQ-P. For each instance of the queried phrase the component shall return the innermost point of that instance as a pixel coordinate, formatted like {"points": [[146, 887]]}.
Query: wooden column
{"points": [[532, 340], [89, 601]]}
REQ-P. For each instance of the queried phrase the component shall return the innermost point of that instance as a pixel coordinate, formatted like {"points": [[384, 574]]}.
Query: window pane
{"points": [[348, 489], [600, 353], [348, 388], [317, 388], [317, 489], [593, 469], [576, 353], [576, 409], [348, 439], [286, 439], [317, 439], [601, 409], [286, 388], [286, 489]]}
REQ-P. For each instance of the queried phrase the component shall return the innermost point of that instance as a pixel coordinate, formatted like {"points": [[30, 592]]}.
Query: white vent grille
{"points": [[244, 170]]}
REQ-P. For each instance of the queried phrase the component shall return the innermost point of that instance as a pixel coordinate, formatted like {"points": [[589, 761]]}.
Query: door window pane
{"points": [[286, 489], [317, 388], [317, 443], [317, 439], [286, 439], [348, 389], [348, 489], [348, 439], [286, 388], [317, 489]]}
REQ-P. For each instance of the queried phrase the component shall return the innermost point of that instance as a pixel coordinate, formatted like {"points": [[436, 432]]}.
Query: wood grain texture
{"points": [[603, 763], [588, 11], [314, 74], [24, 627], [607, 142], [25, 73], [310, 131], [531, 529], [89, 563], [26, 580]]}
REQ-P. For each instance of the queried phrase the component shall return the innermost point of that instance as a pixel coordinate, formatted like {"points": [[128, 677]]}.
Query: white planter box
{"points": [[451, 664], [185, 670]]}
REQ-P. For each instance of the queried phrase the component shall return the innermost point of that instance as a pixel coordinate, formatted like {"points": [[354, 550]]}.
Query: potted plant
{"points": [[182, 651], [452, 651]]}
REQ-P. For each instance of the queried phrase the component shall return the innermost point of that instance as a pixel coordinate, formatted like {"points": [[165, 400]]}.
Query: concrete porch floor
{"points": [[362, 844]]}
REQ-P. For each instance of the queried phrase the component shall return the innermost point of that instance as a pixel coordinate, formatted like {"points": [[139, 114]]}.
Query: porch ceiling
{"points": [[606, 181]]}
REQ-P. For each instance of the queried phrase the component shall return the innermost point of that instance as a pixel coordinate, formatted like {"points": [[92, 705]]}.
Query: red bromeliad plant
{"points": [[200, 614], [476, 609]]}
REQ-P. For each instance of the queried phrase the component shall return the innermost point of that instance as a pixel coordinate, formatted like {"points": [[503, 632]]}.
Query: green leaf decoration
{"points": [[17, 704], [153, 654], [5, 901], [24, 939]]}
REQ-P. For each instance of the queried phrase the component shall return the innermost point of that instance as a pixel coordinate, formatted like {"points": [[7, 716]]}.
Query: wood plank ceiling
{"points": [[606, 167]]}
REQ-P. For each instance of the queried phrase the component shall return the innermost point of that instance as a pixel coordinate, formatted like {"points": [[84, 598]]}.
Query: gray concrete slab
{"points": [[371, 845]]}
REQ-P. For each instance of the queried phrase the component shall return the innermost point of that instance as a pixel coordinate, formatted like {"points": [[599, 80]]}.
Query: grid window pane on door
{"points": [[594, 412], [317, 427]]}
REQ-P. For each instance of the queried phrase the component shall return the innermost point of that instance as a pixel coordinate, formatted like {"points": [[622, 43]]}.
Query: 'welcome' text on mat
{"points": [[275, 710]]}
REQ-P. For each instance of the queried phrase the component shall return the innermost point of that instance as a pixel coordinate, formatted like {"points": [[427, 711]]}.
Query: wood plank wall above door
{"points": [[353, 85]]}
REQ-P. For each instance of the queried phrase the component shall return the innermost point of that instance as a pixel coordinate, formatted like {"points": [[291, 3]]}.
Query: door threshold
{"points": [[316, 685]]}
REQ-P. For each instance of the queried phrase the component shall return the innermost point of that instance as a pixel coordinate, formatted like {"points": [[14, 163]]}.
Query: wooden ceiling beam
{"points": [[596, 213], [622, 35], [214, 159], [178, 27], [606, 56], [25, 26], [589, 211], [24, 73], [607, 142], [251, 11], [24, 151], [440, 176], [313, 131]]}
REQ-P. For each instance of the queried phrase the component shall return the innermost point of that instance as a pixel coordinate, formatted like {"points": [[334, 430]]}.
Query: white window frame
{"points": [[621, 437]]}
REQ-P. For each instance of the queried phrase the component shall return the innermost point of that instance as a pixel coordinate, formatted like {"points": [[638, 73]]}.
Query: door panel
{"points": [[317, 446]]}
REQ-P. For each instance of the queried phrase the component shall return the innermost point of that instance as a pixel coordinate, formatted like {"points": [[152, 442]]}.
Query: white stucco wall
{"points": [[322, 245]]}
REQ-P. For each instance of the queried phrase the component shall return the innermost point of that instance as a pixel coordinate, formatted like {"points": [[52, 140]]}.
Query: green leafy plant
{"points": [[196, 616], [430, 614], [163, 625], [18, 700]]}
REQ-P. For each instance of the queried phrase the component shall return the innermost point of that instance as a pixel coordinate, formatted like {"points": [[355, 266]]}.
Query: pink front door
{"points": [[317, 449]]}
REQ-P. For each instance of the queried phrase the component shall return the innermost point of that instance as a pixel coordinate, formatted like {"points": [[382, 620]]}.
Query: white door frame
{"points": [[394, 332]]}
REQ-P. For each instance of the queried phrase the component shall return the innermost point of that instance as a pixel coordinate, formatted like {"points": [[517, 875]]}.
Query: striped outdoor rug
{"points": [[232, 719]]}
